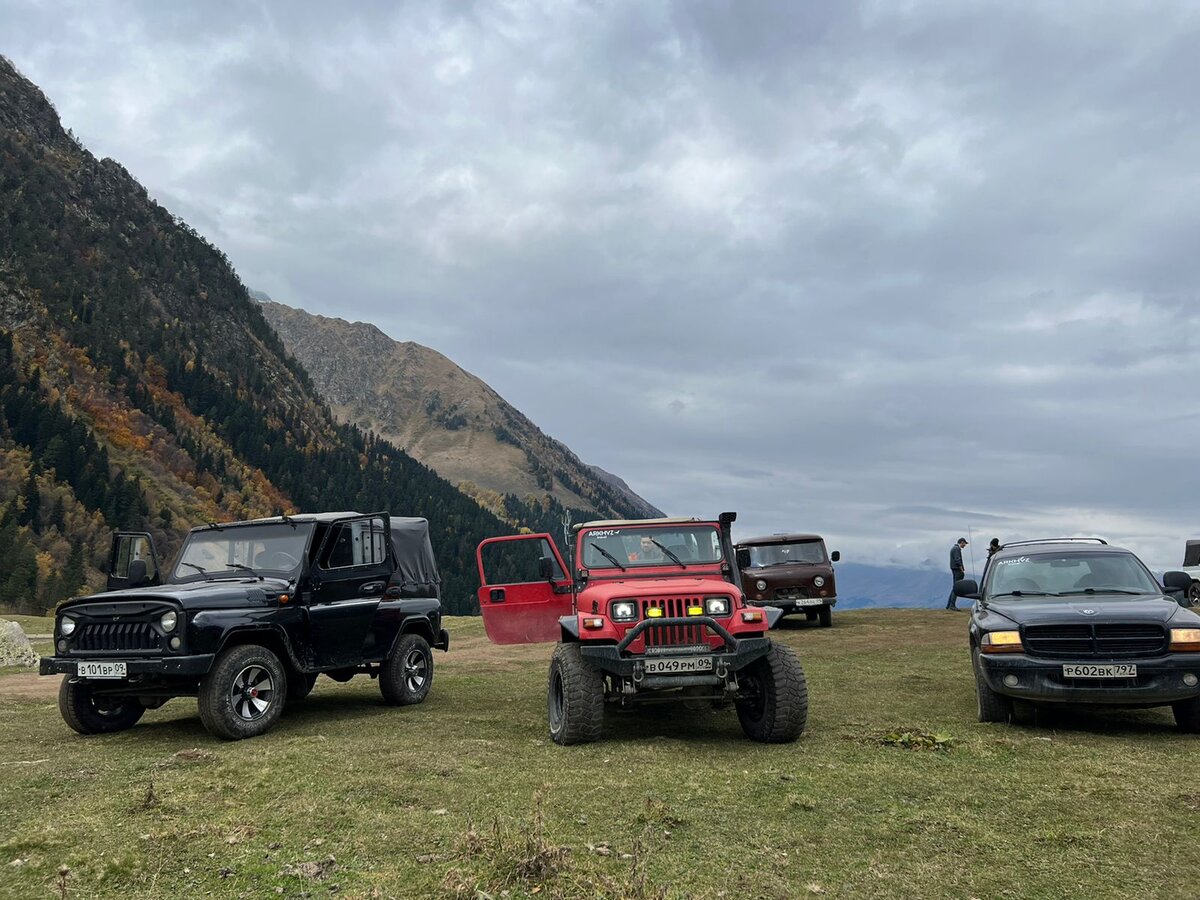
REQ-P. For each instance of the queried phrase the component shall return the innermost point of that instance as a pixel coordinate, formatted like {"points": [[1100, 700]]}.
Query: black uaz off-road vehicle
{"points": [[248, 617]]}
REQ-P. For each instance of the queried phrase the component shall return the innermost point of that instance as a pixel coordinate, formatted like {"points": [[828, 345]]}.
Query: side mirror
{"points": [[836, 556], [1179, 586], [966, 588], [743, 558], [546, 568], [139, 574]]}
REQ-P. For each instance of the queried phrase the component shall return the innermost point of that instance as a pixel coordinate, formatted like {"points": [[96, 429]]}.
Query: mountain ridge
{"points": [[443, 415]]}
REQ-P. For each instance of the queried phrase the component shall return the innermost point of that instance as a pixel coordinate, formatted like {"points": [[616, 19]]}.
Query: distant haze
{"points": [[883, 271]]}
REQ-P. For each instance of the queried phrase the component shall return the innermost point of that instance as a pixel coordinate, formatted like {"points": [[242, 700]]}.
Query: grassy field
{"points": [[894, 791]]}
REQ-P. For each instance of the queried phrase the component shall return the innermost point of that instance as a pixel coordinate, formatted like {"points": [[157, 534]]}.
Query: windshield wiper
{"points": [[612, 559], [1023, 594], [1100, 590], [200, 569], [677, 560]]}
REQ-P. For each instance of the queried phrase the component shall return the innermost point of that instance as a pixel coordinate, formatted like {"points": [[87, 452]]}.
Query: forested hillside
{"points": [[142, 387]]}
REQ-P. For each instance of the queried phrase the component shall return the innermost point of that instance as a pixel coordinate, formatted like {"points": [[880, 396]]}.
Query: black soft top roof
{"points": [[414, 557]]}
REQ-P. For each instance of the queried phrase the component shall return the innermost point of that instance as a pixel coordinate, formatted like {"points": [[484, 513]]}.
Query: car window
{"points": [[362, 542], [1067, 572], [643, 546], [802, 552]]}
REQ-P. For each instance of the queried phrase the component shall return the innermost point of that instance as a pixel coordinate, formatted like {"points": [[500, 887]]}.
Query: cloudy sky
{"points": [[883, 270]]}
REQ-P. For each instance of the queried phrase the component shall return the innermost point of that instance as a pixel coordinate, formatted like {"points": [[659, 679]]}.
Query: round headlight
{"points": [[67, 626], [760, 584], [819, 581], [716, 606], [623, 610], [168, 621]]}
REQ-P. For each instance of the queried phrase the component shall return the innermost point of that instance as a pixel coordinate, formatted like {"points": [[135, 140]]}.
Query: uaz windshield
{"points": [[275, 549], [1069, 575], [801, 552], [623, 548]]}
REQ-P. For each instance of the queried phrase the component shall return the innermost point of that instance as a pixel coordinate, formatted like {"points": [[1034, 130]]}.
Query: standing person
{"points": [[957, 570], [993, 549]]}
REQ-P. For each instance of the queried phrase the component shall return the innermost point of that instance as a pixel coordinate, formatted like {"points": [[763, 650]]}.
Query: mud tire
{"points": [[778, 710], [1187, 715], [89, 714], [407, 674], [250, 665], [575, 698], [825, 613]]}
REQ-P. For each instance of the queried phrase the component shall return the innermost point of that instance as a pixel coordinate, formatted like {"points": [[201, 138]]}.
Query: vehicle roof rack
{"points": [[1058, 540]]}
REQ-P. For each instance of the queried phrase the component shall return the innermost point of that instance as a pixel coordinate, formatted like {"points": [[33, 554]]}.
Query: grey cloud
{"points": [[930, 261]]}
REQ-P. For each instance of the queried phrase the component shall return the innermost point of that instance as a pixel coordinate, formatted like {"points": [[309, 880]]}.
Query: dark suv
{"points": [[1074, 620], [248, 617], [791, 572]]}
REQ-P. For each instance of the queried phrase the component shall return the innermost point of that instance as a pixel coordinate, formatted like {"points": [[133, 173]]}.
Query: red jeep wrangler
{"points": [[652, 612]]}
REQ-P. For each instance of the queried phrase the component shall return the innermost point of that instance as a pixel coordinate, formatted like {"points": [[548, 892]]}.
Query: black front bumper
{"points": [[1159, 680], [736, 654], [169, 666]]}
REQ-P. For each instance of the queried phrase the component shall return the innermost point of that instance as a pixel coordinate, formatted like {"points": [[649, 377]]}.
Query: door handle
{"points": [[497, 595], [374, 587]]}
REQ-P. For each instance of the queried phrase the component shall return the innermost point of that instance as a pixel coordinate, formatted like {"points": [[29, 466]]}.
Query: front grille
{"points": [[673, 635], [791, 593], [116, 637], [1084, 641]]}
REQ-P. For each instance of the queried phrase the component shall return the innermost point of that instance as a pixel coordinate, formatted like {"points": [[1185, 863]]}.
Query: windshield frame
{"points": [[627, 565], [184, 571], [1152, 585]]}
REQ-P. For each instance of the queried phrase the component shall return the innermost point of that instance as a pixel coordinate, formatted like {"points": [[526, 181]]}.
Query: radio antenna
{"points": [[971, 544]]}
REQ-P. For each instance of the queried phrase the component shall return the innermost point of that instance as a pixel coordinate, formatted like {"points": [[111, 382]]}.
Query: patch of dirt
{"points": [[477, 653], [28, 687]]}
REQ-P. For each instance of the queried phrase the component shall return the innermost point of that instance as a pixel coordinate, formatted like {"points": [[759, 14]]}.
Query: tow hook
{"points": [[639, 672], [722, 669]]}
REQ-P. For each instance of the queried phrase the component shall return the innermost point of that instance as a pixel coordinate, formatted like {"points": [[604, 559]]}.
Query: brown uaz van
{"points": [[790, 571]]}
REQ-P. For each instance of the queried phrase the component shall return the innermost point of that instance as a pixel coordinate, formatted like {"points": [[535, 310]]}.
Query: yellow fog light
{"points": [[1001, 642], [1187, 639], [654, 612], [695, 610]]}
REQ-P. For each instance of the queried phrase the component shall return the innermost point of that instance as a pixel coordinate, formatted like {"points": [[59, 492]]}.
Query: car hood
{"points": [[224, 593], [1097, 607]]}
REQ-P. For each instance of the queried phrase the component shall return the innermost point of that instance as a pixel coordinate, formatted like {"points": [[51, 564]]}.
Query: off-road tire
{"points": [[778, 710], [1187, 715], [233, 693], [990, 705], [575, 697], [89, 714], [299, 686], [408, 673], [1193, 594], [825, 613]]}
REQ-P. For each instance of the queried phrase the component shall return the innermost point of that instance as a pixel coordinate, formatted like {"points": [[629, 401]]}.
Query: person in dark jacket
{"points": [[993, 549], [957, 570]]}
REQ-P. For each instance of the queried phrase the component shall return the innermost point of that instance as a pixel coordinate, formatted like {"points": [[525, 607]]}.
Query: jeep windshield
{"points": [[1068, 575], [629, 547], [275, 549], [805, 553]]}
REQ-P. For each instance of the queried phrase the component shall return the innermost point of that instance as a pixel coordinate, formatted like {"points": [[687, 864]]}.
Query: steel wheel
{"points": [[252, 692]]}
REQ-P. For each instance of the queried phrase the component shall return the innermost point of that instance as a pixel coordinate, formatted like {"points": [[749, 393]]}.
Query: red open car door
{"points": [[519, 604]]}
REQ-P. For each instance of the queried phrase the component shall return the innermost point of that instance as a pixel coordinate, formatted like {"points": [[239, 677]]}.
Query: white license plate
{"points": [[681, 665], [100, 670], [1109, 670], [810, 601]]}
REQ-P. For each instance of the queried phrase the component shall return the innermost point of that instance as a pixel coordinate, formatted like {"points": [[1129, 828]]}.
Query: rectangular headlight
{"points": [[718, 607], [1185, 639], [1001, 642], [624, 611]]}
